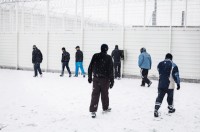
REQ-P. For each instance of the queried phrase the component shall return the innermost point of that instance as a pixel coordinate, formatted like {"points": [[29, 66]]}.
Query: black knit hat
{"points": [[63, 48], [34, 46], [104, 48], [169, 56], [142, 50]]}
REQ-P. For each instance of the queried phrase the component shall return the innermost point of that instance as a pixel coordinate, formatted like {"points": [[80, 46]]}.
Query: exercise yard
{"points": [[61, 104]]}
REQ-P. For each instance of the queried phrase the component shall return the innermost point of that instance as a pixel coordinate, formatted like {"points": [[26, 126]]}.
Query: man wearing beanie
{"points": [[65, 62], [101, 67], [79, 62], [36, 60], [168, 76]]}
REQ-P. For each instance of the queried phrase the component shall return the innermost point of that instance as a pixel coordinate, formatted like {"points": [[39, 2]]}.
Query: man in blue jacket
{"points": [[168, 76], [144, 62]]}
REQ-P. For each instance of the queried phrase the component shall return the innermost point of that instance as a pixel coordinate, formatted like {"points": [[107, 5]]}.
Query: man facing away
{"points": [[101, 66], [36, 60], [65, 62], [117, 56], [168, 76], [144, 62], [79, 61]]}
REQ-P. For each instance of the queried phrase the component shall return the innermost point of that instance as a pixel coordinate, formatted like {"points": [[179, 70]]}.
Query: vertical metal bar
{"points": [[47, 33], [17, 32], [123, 33], [144, 23], [186, 12], [108, 12], [170, 31], [82, 25]]}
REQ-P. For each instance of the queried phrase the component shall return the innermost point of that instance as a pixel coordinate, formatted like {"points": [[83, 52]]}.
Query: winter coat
{"points": [[37, 56], [101, 66], [79, 56], [144, 60], [65, 57], [116, 55], [168, 74]]}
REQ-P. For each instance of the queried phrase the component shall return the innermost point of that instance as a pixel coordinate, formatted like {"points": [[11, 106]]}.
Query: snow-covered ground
{"points": [[55, 104]]}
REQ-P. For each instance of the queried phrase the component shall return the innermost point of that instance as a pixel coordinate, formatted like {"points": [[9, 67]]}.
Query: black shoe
{"points": [[156, 113], [93, 114], [84, 76], [171, 110], [142, 85], [149, 84], [35, 76], [70, 75], [61, 75]]}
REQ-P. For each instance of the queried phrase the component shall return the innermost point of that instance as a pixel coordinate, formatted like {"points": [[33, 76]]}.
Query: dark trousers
{"points": [[117, 68], [37, 69], [161, 95], [100, 87], [144, 74], [65, 64]]}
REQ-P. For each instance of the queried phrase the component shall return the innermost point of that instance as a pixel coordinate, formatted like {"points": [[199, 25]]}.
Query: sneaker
{"points": [[93, 114], [118, 78], [35, 76], [84, 76], [61, 75], [40, 75], [70, 75], [149, 84], [75, 75], [171, 110], [142, 85], [108, 110], [156, 113]]}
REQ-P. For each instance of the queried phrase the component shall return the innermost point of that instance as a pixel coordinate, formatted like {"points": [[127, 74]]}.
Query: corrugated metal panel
{"points": [[186, 51], [155, 41], [95, 38], [68, 40], [8, 49], [26, 42]]}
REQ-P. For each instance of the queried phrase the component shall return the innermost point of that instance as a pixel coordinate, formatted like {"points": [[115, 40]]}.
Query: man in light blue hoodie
{"points": [[144, 62]]}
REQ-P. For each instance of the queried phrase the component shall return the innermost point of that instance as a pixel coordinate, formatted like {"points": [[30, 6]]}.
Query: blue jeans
{"points": [[79, 65]]}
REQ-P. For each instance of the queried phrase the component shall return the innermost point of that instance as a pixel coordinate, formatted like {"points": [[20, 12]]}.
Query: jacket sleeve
{"points": [[111, 77], [150, 61], [90, 68], [33, 57], [69, 55], [41, 56], [140, 60], [62, 58], [175, 74]]}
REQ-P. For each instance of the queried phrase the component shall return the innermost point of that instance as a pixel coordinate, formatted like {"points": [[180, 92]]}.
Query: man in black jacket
{"points": [[101, 66], [168, 76], [117, 56], [79, 62], [36, 60], [65, 62]]}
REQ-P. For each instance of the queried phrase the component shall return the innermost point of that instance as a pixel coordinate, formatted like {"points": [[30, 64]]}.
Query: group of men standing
{"points": [[100, 72]]}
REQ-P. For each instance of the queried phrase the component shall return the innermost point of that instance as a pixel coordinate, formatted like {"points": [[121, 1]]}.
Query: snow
{"points": [[61, 104]]}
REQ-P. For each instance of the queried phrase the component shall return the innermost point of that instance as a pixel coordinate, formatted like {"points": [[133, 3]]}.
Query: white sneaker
{"points": [[93, 114], [108, 110]]}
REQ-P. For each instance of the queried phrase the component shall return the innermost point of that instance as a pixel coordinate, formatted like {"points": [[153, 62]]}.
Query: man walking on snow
{"points": [[65, 62], [101, 66], [144, 62], [168, 76], [36, 60]]}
